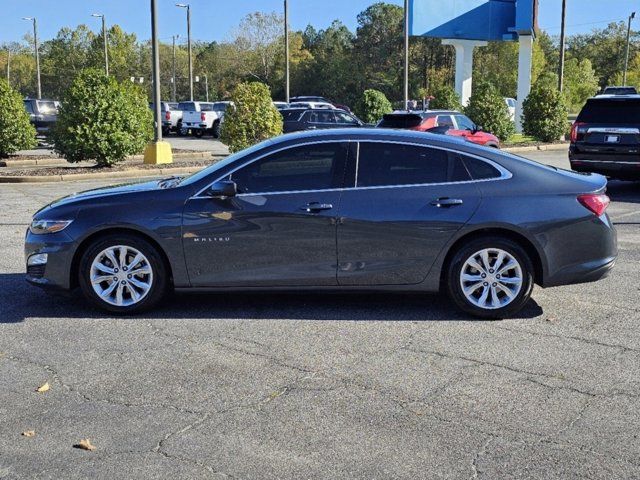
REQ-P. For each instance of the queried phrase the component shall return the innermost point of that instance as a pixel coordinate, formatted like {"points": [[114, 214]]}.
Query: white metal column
{"points": [[464, 65], [525, 61]]}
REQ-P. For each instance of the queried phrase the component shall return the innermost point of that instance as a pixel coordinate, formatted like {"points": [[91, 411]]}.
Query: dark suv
{"points": [[606, 137], [298, 119], [43, 114]]}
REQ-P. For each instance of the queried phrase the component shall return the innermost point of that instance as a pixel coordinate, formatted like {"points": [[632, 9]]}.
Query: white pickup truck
{"points": [[203, 117]]}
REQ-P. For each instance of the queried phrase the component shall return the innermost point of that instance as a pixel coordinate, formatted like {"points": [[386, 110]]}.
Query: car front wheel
{"points": [[490, 278], [123, 274]]}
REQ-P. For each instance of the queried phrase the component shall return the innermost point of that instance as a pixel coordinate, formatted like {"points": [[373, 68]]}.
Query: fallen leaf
{"points": [[552, 320], [29, 433], [43, 388], [85, 445]]}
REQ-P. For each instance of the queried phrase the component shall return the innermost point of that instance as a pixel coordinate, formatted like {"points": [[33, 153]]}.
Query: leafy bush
{"points": [[373, 106], [16, 132], [445, 98], [488, 109], [102, 120], [545, 114], [252, 119]]}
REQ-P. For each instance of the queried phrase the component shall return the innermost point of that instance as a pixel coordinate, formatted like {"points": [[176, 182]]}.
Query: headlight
{"points": [[40, 227]]}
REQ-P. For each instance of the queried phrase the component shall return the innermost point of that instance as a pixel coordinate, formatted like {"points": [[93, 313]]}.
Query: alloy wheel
{"points": [[491, 278], [121, 276]]}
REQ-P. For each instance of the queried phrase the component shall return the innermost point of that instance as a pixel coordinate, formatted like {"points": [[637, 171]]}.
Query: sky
{"points": [[216, 19]]}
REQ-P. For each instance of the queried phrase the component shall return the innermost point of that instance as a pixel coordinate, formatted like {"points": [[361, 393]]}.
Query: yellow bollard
{"points": [[157, 153]]}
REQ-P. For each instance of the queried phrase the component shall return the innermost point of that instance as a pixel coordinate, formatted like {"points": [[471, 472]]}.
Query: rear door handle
{"points": [[315, 207], [447, 202]]}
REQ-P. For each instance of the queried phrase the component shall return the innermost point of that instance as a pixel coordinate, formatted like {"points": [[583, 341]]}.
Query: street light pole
{"points": [[188, 7], [562, 46], [626, 56], [406, 54], [37, 54], [173, 77], [104, 40], [206, 86], [286, 51], [8, 66]]}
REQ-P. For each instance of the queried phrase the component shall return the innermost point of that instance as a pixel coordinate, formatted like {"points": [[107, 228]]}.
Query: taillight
{"points": [[167, 116], [203, 116], [577, 131], [595, 202]]}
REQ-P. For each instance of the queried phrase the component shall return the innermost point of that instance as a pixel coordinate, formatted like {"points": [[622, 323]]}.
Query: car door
{"points": [[407, 203], [321, 119], [467, 129], [279, 230]]}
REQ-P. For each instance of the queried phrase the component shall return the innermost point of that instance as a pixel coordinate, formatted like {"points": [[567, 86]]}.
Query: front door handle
{"points": [[447, 202], [315, 207]]}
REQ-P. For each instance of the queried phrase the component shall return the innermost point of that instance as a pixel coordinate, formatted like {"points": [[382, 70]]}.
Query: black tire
{"points": [[198, 133], [179, 130], [166, 131], [216, 130], [159, 283], [465, 252]]}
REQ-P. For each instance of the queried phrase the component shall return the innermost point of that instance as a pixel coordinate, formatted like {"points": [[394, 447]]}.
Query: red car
{"points": [[440, 121]]}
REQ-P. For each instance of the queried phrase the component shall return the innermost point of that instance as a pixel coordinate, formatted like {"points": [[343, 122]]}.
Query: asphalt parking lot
{"points": [[292, 387]]}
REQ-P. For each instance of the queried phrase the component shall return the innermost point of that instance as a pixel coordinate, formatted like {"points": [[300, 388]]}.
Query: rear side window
{"points": [[616, 111], [479, 169], [382, 164], [291, 115], [400, 121]]}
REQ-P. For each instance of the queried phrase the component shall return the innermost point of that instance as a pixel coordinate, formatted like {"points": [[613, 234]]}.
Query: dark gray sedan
{"points": [[351, 209]]}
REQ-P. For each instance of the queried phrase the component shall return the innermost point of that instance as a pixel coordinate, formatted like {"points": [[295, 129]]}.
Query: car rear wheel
{"points": [[198, 133], [491, 278], [123, 274], [216, 130]]}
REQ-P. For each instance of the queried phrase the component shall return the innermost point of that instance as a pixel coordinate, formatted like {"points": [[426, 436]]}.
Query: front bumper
{"points": [[56, 273]]}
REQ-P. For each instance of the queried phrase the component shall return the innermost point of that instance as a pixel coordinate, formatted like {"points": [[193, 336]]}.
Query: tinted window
{"points": [[47, 107], [206, 107], [465, 123], [311, 167], [480, 170], [445, 121], [320, 117], [172, 106], [618, 111], [620, 91], [345, 118], [28, 106], [291, 115], [383, 164], [220, 107], [400, 121], [187, 106]]}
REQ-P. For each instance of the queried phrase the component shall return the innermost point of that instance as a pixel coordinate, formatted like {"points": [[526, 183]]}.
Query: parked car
{"points": [[317, 99], [511, 105], [297, 119], [171, 117], [203, 117], [605, 137], [43, 114], [322, 105], [348, 209], [440, 121], [619, 91]]}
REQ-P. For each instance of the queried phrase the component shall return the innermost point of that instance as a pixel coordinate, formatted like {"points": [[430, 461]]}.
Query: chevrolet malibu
{"points": [[348, 210]]}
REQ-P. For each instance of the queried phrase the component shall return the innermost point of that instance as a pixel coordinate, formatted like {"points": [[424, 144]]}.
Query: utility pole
{"points": [[286, 51], [188, 7], [206, 86], [37, 54], [104, 41], [173, 77], [562, 46], [626, 56], [8, 66], [406, 54]]}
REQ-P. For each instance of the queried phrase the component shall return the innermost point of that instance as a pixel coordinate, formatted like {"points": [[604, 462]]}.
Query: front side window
{"points": [[309, 167], [382, 164], [465, 123], [320, 117], [444, 121], [345, 118]]}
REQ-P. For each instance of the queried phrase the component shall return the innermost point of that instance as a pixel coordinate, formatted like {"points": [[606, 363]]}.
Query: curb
{"points": [[51, 162], [554, 147], [128, 174]]}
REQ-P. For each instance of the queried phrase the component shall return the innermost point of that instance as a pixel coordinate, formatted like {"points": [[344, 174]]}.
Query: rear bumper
{"points": [[584, 273], [612, 165]]}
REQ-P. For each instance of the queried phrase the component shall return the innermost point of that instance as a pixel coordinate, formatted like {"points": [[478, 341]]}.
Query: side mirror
{"points": [[223, 189], [478, 128]]}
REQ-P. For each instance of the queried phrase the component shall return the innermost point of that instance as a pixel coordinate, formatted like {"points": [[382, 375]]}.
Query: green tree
{"points": [[445, 98], [16, 133], [545, 114], [252, 119], [488, 109], [373, 106], [102, 120], [580, 83]]}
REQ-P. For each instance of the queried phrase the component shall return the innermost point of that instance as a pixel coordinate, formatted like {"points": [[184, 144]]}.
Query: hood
{"points": [[105, 192]]}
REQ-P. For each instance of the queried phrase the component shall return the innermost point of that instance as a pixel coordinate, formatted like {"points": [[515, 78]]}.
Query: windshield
{"points": [[187, 106], [220, 106], [614, 110], [47, 107], [223, 163]]}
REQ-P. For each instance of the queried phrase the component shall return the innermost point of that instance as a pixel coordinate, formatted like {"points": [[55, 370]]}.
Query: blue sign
{"points": [[472, 19]]}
